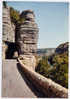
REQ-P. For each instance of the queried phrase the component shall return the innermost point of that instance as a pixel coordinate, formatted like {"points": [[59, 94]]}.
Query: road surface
{"points": [[14, 82]]}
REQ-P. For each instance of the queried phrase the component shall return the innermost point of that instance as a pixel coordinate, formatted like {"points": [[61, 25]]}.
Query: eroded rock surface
{"points": [[27, 34], [8, 27], [27, 37], [8, 30]]}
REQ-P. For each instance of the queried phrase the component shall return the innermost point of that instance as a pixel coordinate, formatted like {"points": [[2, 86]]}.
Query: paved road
{"points": [[13, 83]]}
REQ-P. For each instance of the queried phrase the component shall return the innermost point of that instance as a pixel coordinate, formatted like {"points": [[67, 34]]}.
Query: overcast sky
{"points": [[52, 20]]}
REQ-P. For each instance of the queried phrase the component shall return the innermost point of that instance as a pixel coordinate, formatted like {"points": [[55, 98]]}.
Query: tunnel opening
{"points": [[12, 51]]}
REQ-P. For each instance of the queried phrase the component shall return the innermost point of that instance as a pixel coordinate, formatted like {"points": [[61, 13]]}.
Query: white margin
{"points": [[1, 41], [0, 47], [69, 54]]}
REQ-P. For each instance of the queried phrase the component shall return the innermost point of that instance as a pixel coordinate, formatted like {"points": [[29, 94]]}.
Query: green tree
{"points": [[43, 66], [14, 14], [58, 72]]}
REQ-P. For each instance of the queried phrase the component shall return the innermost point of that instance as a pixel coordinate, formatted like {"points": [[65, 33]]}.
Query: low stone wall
{"points": [[48, 87]]}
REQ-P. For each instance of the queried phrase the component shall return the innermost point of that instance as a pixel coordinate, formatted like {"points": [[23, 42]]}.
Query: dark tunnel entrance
{"points": [[12, 50]]}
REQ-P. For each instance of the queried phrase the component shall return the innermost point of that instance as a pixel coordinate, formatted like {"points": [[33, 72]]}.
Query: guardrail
{"points": [[48, 87]]}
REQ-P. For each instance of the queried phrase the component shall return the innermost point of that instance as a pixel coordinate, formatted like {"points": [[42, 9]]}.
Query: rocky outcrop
{"points": [[8, 31], [27, 33], [26, 38], [8, 27], [62, 48]]}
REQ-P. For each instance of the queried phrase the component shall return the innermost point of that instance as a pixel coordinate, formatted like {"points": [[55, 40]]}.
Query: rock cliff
{"points": [[8, 30], [62, 48], [22, 38], [27, 33], [8, 27], [27, 37]]}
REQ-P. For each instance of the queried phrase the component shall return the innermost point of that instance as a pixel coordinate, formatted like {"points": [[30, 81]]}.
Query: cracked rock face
{"points": [[8, 27], [8, 30], [27, 33]]}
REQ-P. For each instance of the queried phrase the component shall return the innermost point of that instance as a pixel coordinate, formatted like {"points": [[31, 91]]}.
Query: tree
{"points": [[58, 72], [43, 66], [14, 14]]}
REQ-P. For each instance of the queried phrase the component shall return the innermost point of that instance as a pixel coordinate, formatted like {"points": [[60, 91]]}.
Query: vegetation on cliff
{"points": [[43, 66], [14, 14], [59, 69]]}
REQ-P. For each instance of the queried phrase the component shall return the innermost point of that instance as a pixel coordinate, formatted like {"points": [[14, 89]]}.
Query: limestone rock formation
{"points": [[27, 33]]}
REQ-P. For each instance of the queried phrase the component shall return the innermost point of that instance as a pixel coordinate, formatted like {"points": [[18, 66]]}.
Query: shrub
{"points": [[14, 14], [58, 72]]}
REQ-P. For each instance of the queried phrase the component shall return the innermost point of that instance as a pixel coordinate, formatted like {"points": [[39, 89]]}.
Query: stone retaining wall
{"points": [[45, 85]]}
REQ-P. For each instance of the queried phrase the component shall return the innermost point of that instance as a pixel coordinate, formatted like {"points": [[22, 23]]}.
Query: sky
{"points": [[52, 20]]}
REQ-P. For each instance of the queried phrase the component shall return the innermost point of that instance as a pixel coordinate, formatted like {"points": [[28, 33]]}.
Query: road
{"points": [[14, 82]]}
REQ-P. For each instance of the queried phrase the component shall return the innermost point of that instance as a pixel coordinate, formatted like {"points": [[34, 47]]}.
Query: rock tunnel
{"points": [[12, 50]]}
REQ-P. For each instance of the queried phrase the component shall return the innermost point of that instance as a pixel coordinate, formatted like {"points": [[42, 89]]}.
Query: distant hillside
{"points": [[62, 48], [45, 51], [56, 65]]}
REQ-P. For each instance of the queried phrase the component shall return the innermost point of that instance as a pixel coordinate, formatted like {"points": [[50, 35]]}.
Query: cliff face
{"points": [[21, 38], [62, 48], [8, 27], [26, 38], [8, 30], [27, 33], [60, 51]]}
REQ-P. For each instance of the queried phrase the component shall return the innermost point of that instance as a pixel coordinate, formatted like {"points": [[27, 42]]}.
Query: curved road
{"points": [[14, 84]]}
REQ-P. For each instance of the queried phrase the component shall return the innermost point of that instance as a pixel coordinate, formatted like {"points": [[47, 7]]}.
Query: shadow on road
{"points": [[30, 85]]}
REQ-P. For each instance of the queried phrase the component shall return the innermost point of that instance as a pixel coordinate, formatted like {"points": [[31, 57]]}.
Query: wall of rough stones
{"points": [[45, 85]]}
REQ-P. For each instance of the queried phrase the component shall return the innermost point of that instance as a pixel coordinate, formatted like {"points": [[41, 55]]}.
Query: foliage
{"points": [[14, 14], [21, 20], [58, 72], [43, 66]]}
